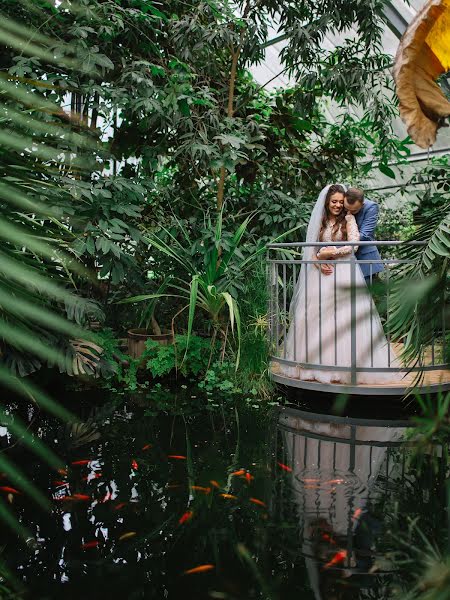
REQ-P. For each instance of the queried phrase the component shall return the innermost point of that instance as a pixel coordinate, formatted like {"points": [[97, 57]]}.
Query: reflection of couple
{"points": [[335, 467], [320, 331]]}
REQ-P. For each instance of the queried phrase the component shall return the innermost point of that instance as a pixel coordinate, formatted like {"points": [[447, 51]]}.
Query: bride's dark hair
{"points": [[340, 219]]}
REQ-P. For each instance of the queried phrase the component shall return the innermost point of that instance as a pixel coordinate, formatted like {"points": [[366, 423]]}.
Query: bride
{"points": [[319, 336]]}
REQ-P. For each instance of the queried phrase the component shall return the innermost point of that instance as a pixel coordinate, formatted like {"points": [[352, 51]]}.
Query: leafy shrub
{"points": [[189, 359]]}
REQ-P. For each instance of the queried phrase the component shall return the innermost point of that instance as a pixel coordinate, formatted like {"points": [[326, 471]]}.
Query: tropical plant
{"points": [[423, 314], [209, 272], [43, 149]]}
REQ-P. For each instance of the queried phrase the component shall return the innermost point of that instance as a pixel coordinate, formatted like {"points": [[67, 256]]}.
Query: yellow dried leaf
{"points": [[424, 55]]}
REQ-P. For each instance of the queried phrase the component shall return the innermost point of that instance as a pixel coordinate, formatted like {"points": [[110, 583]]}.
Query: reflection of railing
{"points": [[284, 270]]}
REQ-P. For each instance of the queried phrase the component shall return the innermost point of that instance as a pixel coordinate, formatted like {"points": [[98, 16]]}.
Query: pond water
{"points": [[184, 502]]}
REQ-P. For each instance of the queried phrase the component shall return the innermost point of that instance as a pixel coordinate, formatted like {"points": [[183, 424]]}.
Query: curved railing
{"points": [[284, 264]]}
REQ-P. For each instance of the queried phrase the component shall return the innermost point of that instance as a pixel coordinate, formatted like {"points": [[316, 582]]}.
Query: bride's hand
{"points": [[326, 269]]}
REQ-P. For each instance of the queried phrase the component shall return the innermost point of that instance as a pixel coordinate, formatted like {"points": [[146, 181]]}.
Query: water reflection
{"points": [[290, 504], [341, 471]]}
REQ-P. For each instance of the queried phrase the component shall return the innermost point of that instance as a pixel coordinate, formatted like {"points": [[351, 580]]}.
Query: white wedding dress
{"points": [[320, 317]]}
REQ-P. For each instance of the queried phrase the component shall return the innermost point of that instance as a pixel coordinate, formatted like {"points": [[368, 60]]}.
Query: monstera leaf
{"points": [[86, 357], [422, 57]]}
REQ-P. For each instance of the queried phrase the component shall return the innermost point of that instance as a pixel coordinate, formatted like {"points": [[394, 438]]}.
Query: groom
{"points": [[366, 215]]}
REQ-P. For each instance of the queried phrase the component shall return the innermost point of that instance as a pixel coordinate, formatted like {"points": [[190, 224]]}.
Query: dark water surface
{"points": [[279, 505]]}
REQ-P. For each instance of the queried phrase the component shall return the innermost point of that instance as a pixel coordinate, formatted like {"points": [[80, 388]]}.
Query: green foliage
{"points": [[396, 223], [164, 359], [208, 273], [423, 314]]}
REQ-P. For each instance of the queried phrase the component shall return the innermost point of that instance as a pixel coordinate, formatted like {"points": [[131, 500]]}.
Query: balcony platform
{"points": [[431, 382]]}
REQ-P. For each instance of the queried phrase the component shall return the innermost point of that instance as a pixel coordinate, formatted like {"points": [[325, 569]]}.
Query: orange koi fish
{"points": [[186, 517], [284, 467], [62, 471], [311, 480], [238, 473], [81, 462], [177, 456], [83, 497], [357, 514], [259, 502], [229, 496], [147, 446], [199, 569], [248, 477], [10, 490], [200, 488], [336, 559], [120, 505], [88, 545], [134, 465], [214, 484], [127, 535]]}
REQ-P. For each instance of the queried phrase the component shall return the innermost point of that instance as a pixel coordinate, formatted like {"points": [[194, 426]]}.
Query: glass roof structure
{"points": [[398, 15]]}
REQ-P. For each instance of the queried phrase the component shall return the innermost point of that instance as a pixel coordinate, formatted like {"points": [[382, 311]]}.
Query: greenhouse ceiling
{"points": [[271, 74]]}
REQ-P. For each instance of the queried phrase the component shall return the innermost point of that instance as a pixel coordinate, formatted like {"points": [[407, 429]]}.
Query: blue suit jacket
{"points": [[366, 220]]}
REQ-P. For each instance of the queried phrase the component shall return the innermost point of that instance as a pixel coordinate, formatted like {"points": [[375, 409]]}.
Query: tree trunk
{"points": [[235, 53]]}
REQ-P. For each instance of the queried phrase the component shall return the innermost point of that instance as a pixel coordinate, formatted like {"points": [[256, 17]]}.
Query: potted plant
{"points": [[148, 328]]}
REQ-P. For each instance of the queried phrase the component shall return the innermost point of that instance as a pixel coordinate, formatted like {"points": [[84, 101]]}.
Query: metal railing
{"points": [[284, 265]]}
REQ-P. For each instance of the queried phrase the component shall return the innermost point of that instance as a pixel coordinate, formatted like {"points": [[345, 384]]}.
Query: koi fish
{"points": [[248, 477], [134, 465], [259, 502], [127, 535], [336, 559], [229, 496], [311, 480], [88, 545], [186, 517], [147, 446], [284, 467], [62, 471], [200, 488], [357, 514], [120, 505], [83, 497], [107, 497], [59, 482], [177, 456], [81, 462], [10, 490], [214, 484], [199, 569], [332, 481], [238, 473]]}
